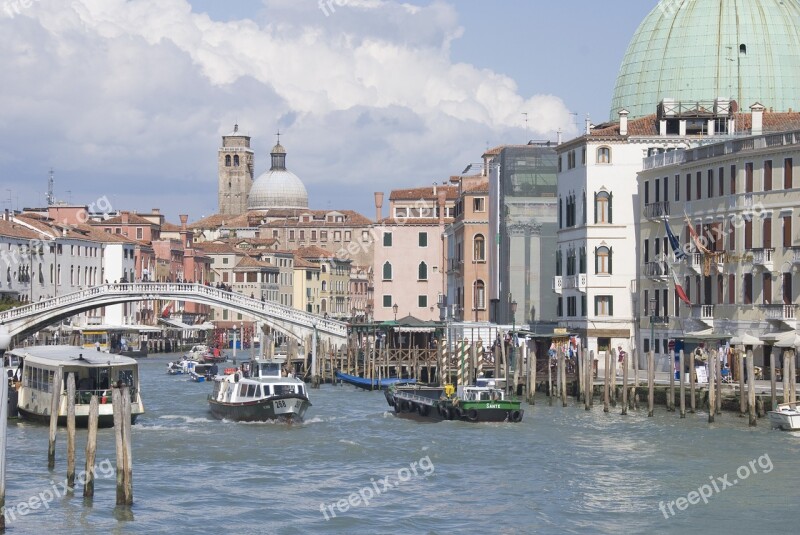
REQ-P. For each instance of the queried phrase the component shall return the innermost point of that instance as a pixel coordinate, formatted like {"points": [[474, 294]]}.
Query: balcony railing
{"points": [[703, 313], [796, 255], [764, 257], [574, 282], [557, 284], [656, 210], [655, 269], [780, 312], [696, 262], [660, 320]]}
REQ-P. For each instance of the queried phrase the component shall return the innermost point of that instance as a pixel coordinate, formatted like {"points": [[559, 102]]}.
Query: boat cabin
{"points": [[483, 393]]}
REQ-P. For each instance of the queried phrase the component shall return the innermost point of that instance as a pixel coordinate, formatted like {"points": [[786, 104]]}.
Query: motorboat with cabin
{"points": [[786, 416], [264, 392], [95, 373]]}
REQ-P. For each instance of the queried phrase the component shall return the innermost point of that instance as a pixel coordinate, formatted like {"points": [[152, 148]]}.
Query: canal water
{"points": [[353, 467]]}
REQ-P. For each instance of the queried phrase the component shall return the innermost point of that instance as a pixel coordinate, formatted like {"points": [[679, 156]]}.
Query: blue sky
{"points": [[127, 100]]}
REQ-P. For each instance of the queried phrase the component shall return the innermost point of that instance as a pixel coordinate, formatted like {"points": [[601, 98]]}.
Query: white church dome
{"points": [[278, 187]]}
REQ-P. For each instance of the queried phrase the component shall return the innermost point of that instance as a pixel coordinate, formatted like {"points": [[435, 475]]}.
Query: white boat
{"points": [[95, 374], [266, 393], [197, 353], [785, 417]]}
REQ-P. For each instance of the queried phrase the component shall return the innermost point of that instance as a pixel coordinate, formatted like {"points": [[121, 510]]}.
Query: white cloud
{"points": [[117, 92]]}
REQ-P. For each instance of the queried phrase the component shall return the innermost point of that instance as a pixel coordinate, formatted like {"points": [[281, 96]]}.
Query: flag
{"points": [[700, 247], [679, 289], [677, 251], [167, 309]]}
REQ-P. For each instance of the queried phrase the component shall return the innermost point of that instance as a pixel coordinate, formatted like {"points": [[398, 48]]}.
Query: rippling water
{"points": [[562, 470]]}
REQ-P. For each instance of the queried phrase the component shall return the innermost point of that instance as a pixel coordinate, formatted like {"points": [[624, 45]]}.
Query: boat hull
{"points": [[289, 408], [372, 384], [785, 419], [421, 407], [82, 421]]}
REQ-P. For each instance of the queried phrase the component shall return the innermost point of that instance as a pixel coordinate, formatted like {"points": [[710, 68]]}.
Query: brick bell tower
{"points": [[236, 165]]}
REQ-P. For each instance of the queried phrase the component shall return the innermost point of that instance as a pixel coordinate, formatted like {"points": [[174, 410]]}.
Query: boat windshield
{"points": [[270, 369], [284, 389]]}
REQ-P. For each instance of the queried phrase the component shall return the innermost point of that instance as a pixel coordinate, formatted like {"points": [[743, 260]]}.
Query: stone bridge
{"points": [[25, 320]]}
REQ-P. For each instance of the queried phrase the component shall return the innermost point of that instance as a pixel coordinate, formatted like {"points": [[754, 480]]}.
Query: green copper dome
{"points": [[699, 50]]}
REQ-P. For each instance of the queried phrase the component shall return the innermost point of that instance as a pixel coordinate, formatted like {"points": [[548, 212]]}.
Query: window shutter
{"points": [[595, 207], [610, 204], [595, 305], [610, 256], [596, 271]]}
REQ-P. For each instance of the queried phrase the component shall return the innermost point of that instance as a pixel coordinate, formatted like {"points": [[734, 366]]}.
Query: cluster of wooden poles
{"points": [[121, 401], [630, 398]]}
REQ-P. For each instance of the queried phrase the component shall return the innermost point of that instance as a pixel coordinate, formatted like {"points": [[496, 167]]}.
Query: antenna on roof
{"points": [[51, 200]]}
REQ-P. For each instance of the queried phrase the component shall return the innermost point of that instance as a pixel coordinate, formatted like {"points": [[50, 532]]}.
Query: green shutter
{"points": [[595, 305], [610, 204], [611, 305], [610, 256], [595, 208], [596, 265]]}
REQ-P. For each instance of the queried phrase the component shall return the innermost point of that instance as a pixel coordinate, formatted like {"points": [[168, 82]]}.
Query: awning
{"points": [[746, 340], [131, 328], [175, 324], [790, 340]]}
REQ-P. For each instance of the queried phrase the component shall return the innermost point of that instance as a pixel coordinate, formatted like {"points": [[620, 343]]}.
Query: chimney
{"points": [[558, 138], [441, 197], [156, 211], [434, 189], [757, 118], [623, 122], [125, 216], [588, 125], [184, 219], [378, 206]]}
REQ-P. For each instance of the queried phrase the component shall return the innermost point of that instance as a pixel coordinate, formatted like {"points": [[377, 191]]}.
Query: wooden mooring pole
{"points": [[127, 468], [91, 447], [741, 374], [651, 365], [563, 380], [751, 389], [549, 380], [70, 430], [682, 376], [613, 377], [624, 384], [3, 429], [587, 369], [55, 401], [712, 374], [671, 399], [692, 384], [773, 384], [606, 380]]}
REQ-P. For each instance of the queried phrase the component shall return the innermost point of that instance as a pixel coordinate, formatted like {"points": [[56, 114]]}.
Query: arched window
{"points": [[236, 160], [604, 155], [227, 160], [324, 306], [324, 286], [423, 271], [602, 260], [602, 207], [387, 271], [583, 208], [480, 295], [479, 248]]}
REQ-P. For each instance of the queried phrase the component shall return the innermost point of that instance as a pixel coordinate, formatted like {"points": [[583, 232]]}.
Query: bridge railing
{"points": [[172, 290]]}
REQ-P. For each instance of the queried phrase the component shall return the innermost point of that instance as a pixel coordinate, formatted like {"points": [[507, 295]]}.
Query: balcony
{"points": [[764, 258], [575, 282], [557, 284], [781, 314], [795, 255], [659, 320], [655, 270], [704, 313], [656, 210], [695, 262]]}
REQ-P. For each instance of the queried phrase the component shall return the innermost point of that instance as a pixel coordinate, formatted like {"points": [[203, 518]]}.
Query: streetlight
{"points": [[513, 340], [395, 307]]}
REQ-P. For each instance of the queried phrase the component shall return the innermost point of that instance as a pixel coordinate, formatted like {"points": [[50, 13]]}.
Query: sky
{"points": [[127, 100]]}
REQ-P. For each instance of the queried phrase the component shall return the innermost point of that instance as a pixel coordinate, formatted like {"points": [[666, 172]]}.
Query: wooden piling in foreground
{"points": [[116, 400], [549, 381], [70, 430], [563, 380], [671, 398], [651, 357], [792, 381], [624, 384], [712, 391], [719, 383], [587, 399], [786, 373], [606, 381], [773, 384], [580, 373], [614, 377], [635, 357], [126, 445], [55, 401], [692, 384], [751, 389], [91, 447], [682, 378], [740, 372], [3, 428]]}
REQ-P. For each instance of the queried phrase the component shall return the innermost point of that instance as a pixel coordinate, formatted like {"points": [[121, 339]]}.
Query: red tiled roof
{"points": [[15, 230], [312, 251], [299, 262], [481, 187], [215, 247], [170, 227], [133, 219], [251, 263], [413, 194], [400, 221]]}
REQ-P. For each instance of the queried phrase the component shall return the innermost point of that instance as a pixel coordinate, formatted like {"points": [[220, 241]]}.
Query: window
{"points": [[479, 204], [225, 260], [748, 234], [236, 160], [291, 235], [604, 155], [387, 239], [677, 188], [602, 207], [560, 213], [602, 260], [733, 180], [731, 235], [767, 175], [302, 235], [337, 235], [710, 183], [560, 307], [348, 235], [748, 177], [313, 235], [422, 271], [721, 182], [572, 306], [423, 239], [387, 271], [699, 185], [747, 289], [139, 233], [422, 301], [732, 289], [227, 160], [323, 235], [480, 295], [787, 231], [365, 235], [387, 301], [766, 233], [604, 305], [582, 260], [479, 248], [787, 174], [583, 156], [559, 268], [647, 192], [766, 292], [583, 208]]}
